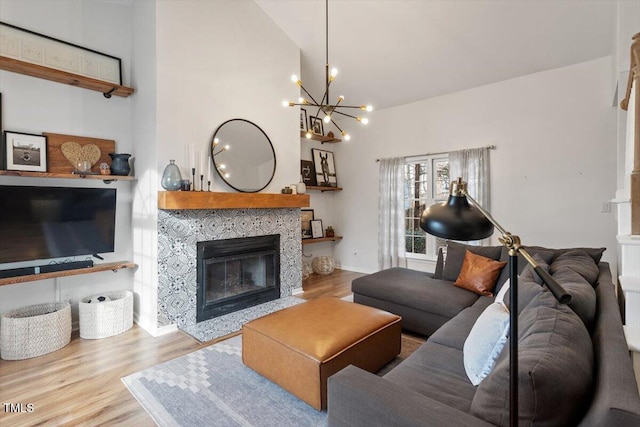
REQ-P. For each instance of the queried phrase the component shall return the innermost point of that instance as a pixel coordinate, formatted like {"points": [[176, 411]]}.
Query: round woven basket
{"points": [[35, 330], [106, 319], [323, 265]]}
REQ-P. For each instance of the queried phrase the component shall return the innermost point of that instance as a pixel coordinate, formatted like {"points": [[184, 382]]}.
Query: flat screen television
{"points": [[52, 222]]}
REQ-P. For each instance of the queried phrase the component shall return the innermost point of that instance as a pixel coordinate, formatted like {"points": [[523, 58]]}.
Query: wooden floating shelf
{"points": [[323, 189], [180, 200], [319, 138], [321, 239], [95, 269], [64, 77], [106, 178]]}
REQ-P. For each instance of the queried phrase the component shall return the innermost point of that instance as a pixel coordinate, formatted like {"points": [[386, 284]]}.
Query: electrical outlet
{"points": [[606, 206], [66, 296]]}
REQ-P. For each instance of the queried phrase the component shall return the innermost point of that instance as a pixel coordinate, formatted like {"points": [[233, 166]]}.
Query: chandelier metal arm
{"points": [[345, 114], [308, 94]]}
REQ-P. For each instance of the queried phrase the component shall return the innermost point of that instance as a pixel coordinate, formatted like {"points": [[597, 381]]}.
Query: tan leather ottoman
{"points": [[299, 347]]}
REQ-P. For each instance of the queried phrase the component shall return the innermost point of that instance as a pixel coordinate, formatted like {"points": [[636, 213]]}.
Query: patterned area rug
{"points": [[212, 387], [232, 322]]}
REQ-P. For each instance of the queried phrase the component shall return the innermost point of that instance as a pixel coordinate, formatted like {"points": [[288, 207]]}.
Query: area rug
{"points": [[232, 322], [212, 387]]}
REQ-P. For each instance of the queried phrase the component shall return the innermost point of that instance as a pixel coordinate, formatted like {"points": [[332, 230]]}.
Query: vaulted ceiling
{"points": [[393, 52]]}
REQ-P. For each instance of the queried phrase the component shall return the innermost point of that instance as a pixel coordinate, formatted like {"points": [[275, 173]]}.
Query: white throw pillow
{"points": [[501, 293], [485, 342]]}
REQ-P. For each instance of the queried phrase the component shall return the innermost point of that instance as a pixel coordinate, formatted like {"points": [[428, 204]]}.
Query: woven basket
{"points": [[323, 265], [35, 330], [106, 319]]}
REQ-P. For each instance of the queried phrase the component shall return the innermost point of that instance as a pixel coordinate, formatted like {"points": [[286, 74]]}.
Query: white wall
{"points": [[33, 105], [197, 65], [554, 165]]}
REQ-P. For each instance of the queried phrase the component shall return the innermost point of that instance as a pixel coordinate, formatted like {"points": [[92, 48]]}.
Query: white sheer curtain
{"points": [[473, 166], [391, 239]]}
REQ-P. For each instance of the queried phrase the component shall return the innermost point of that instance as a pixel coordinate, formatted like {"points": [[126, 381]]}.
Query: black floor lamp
{"points": [[462, 218]]}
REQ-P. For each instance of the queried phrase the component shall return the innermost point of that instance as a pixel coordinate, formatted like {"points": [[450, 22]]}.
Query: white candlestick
{"points": [[209, 169]]}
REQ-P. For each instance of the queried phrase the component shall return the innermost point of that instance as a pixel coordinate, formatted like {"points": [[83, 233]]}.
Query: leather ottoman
{"points": [[300, 347]]}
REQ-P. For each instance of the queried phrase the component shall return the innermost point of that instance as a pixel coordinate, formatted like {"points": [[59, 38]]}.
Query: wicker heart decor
{"points": [[76, 153]]}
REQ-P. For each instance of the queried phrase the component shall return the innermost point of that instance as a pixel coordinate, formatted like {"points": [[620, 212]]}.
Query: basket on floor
{"points": [[323, 265], [108, 318], [35, 330]]}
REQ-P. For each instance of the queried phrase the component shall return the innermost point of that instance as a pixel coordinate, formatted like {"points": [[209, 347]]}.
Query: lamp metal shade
{"points": [[456, 219]]}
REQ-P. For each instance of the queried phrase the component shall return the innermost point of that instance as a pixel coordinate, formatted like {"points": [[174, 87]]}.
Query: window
{"points": [[426, 182]]}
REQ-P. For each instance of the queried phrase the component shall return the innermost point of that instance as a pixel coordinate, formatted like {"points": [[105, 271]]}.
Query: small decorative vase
{"points": [[171, 177], [301, 187], [120, 164]]}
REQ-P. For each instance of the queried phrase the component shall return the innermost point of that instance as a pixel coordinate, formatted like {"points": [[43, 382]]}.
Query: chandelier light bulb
{"points": [[346, 136], [327, 118], [294, 78], [216, 141], [223, 166], [364, 121], [334, 72], [341, 98], [285, 103], [226, 147], [308, 135], [226, 175]]}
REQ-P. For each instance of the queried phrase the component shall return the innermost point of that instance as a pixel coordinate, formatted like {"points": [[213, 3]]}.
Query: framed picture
{"points": [[325, 168], [308, 173], [316, 229], [25, 152], [306, 216], [315, 124], [303, 119]]}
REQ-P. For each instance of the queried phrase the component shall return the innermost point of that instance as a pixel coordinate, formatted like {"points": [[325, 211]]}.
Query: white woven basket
{"points": [[35, 330], [106, 319], [323, 265]]}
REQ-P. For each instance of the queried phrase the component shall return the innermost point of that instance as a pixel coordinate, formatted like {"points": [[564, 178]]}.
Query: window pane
{"points": [[420, 244], [441, 168]]}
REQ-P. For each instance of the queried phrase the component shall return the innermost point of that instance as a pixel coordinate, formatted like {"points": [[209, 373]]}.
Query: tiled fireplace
{"points": [[179, 232]]}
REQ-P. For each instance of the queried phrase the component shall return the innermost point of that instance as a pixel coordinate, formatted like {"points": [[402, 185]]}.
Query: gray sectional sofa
{"points": [[574, 366]]}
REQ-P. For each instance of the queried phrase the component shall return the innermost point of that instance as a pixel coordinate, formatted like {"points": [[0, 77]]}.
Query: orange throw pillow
{"points": [[479, 274]]}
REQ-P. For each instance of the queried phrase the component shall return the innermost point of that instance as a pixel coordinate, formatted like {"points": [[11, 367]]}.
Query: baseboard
{"points": [[356, 269], [297, 291], [153, 330]]}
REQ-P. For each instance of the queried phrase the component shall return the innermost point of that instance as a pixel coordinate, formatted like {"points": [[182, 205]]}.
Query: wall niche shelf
{"points": [[106, 178], [323, 189], [321, 239], [34, 70], [113, 266], [319, 138]]}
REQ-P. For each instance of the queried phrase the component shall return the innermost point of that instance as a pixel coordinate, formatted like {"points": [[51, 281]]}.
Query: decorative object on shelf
{"points": [[306, 216], [462, 218], [294, 188], [171, 177], [303, 119], [108, 317], [286, 190], [323, 265], [186, 185], [120, 163], [328, 109], [325, 168], [35, 330], [25, 152], [315, 124], [82, 157], [316, 229], [308, 173], [34, 48], [243, 155], [301, 187], [76, 148], [330, 232], [105, 169]]}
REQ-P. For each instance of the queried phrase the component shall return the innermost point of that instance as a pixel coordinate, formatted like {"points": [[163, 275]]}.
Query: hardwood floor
{"points": [[80, 384]]}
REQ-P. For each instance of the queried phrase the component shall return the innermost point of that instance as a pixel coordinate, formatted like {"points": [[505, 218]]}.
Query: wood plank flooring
{"points": [[80, 384]]}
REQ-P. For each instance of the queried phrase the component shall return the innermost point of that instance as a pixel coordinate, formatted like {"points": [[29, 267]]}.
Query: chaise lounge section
{"points": [[574, 365]]}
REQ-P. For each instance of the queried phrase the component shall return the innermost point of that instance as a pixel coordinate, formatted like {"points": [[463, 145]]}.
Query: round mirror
{"points": [[243, 155]]}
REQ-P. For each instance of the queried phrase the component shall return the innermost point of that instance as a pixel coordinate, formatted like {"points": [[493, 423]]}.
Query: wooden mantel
{"points": [[180, 200]]}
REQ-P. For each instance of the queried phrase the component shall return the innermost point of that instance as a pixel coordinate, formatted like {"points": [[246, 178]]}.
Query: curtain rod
{"points": [[489, 147]]}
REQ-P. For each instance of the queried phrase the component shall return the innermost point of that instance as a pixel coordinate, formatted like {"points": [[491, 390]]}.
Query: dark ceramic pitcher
{"points": [[120, 164]]}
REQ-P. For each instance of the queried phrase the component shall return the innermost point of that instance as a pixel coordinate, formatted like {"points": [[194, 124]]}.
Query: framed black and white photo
{"points": [[308, 173], [303, 119], [325, 168], [316, 229], [25, 152], [306, 216], [315, 124]]}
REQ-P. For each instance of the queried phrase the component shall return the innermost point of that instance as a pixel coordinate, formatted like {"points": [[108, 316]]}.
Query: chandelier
{"points": [[329, 110]]}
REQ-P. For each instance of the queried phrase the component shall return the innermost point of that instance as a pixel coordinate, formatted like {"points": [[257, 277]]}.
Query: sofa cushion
{"points": [[479, 274], [578, 261], [555, 372], [485, 342], [542, 254], [594, 253], [583, 295], [527, 290], [414, 289], [455, 257], [455, 331], [528, 273]]}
